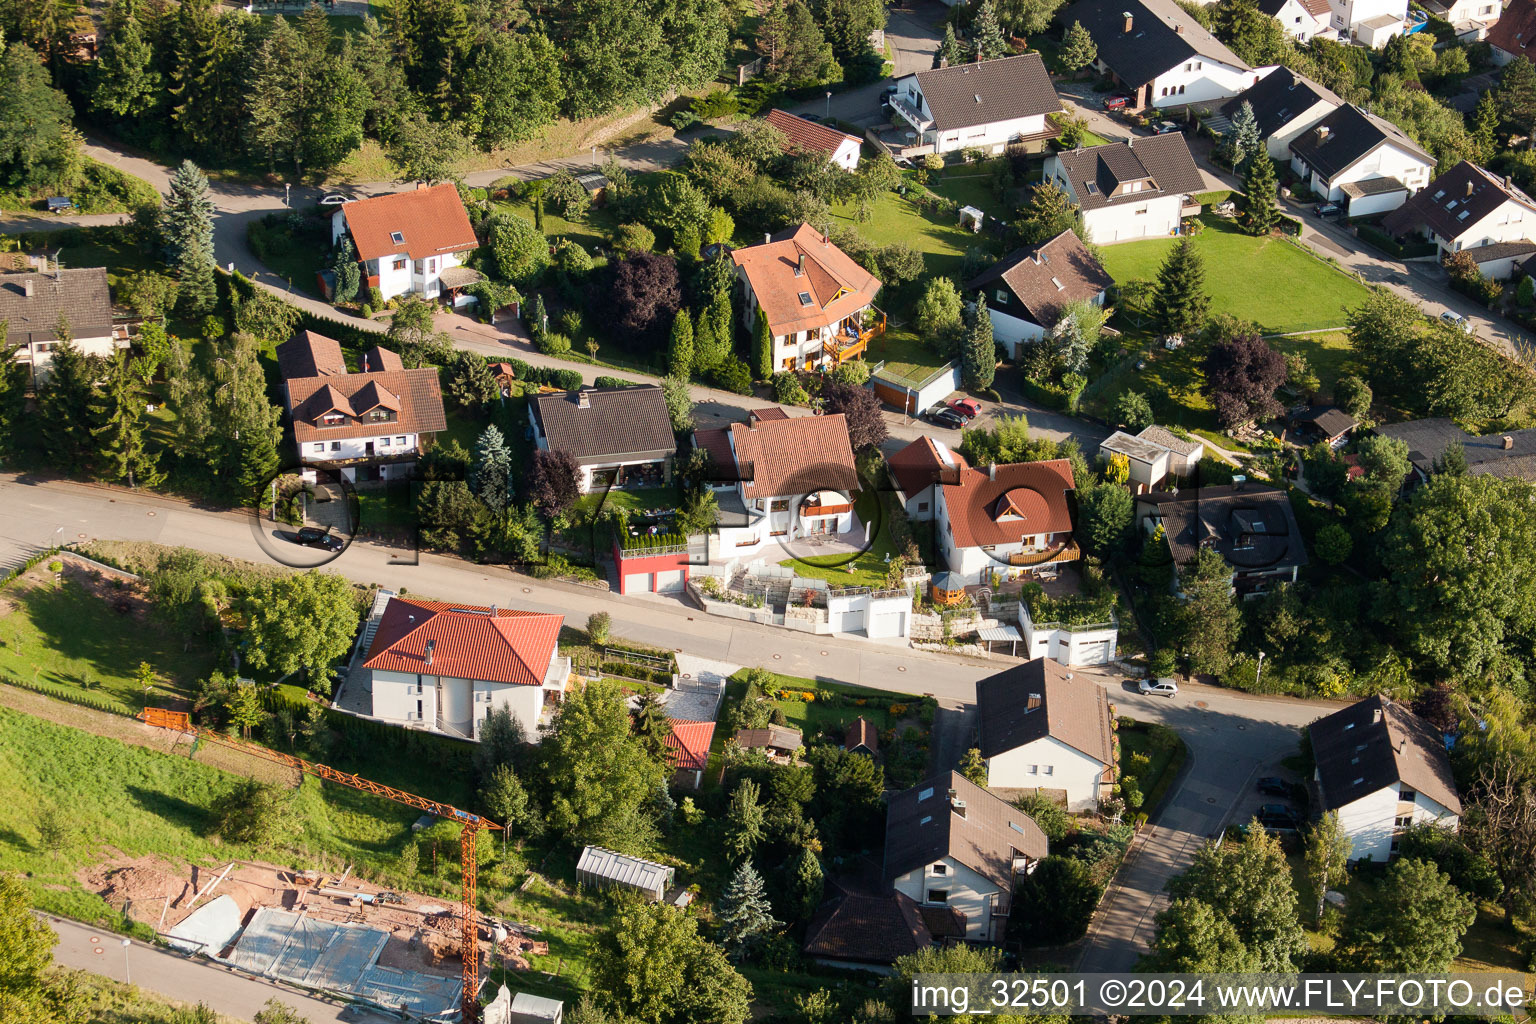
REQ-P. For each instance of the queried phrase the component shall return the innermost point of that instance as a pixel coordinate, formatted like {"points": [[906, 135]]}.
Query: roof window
{"points": [[1452, 204], [925, 819], [1359, 781], [1057, 282], [805, 298], [924, 794], [1439, 194], [397, 237], [1092, 188], [1464, 214], [1016, 827]]}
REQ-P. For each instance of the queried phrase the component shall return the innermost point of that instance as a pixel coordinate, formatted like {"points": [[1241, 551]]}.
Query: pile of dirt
{"points": [[141, 887]]}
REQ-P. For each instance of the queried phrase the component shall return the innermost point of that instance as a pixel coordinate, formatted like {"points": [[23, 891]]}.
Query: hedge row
{"points": [[66, 695]]}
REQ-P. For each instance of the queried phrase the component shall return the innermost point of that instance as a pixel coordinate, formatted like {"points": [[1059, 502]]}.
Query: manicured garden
{"points": [[938, 236], [865, 569]]}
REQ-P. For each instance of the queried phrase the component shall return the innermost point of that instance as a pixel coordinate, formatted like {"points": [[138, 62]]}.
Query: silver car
{"points": [[1158, 688]]}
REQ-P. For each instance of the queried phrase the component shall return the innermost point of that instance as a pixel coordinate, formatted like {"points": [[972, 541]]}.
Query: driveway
{"points": [[913, 30]]}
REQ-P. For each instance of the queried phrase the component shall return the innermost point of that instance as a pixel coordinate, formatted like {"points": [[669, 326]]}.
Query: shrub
{"points": [[55, 566], [684, 119], [634, 238], [933, 162], [1052, 818], [612, 382], [787, 389], [552, 343], [570, 321], [735, 376], [598, 624]]}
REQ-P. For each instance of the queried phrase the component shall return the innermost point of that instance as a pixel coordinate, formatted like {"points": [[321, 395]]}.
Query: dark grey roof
{"points": [[80, 294], [1428, 439], [1350, 135], [1252, 527], [1279, 98], [1374, 744], [994, 90], [1040, 698], [617, 423], [1162, 36], [1378, 186], [1455, 202], [1500, 250], [1328, 420], [1162, 163], [923, 825], [1045, 277]]}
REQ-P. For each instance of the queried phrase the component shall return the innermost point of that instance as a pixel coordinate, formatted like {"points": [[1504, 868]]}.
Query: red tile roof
{"points": [[808, 136], [1515, 31], [468, 641], [308, 354], [380, 360], [836, 285], [862, 734], [430, 221], [688, 744], [921, 463], [413, 395], [1024, 498], [794, 456]]}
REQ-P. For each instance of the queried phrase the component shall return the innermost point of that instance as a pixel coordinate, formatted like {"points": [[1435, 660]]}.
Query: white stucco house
{"points": [[804, 136], [1361, 161], [918, 470], [444, 667], [819, 303], [368, 426], [1069, 643], [1470, 209], [779, 478], [1382, 768], [1285, 104], [1472, 20], [410, 242], [1027, 289], [1301, 19], [1006, 520], [620, 437], [1159, 54], [1041, 729], [951, 845], [1140, 188], [1370, 23], [987, 105], [1154, 455], [32, 301]]}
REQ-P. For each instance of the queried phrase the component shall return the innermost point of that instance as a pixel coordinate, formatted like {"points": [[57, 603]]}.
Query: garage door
{"points": [[637, 583], [669, 582], [885, 625]]}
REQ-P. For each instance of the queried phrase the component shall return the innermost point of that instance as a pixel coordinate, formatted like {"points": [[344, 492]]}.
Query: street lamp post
{"points": [[829, 104], [287, 188], [1260, 673], [127, 976]]}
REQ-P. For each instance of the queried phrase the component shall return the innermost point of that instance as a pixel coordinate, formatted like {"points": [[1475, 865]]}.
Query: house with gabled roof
{"points": [[1382, 769], [1027, 289], [987, 105], [949, 844], [687, 750], [1471, 20], [819, 303], [1510, 453], [1301, 19], [917, 471], [1042, 729], [857, 928], [33, 300], [1139, 188], [1361, 161], [1252, 527], [412, 242], [368, 426], [1469, 209], [1006, 520], [1158, 53], [1514, 34], [1285, 104], [806, 136], [445, 667], [620, 437]]}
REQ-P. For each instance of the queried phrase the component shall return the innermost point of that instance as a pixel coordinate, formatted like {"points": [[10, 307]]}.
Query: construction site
{"points": [[332, 934]]}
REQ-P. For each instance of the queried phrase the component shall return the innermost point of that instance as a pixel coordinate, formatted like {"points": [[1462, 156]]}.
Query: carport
{"points": [[1009, 635]]}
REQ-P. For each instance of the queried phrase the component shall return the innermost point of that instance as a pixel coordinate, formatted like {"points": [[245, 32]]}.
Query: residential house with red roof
{"points": [[445, 667], [806, 136], [368, 426], [918, 470], [1027, 290], [410, 242], [1041, 729], [1514, 34], [819, 303], [688, 750], [1006, 520]]}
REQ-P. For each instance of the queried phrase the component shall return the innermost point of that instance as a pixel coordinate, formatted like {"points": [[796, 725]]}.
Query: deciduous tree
{"points": [[861, 407], [301, 621], [1248, 884], [653, 966], [1208, 621], [1241, 377], [1327, 856], [553, 481], [1413, 923]]}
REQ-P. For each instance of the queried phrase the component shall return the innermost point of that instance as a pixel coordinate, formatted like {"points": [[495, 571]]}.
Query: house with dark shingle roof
{"points": [[445, 667], [1160, 55], [1383, 769], [1139, 188], [860, 929], [1026, 290], [951, 844], [367, 426], [1362, 161], [1252, 527], [1006, 520], [1285, 104], [987, 105], [410, 242], [33, 300], [803, 136], [619, 437], [1043, 729], [1469, 209], [1510, 454]]}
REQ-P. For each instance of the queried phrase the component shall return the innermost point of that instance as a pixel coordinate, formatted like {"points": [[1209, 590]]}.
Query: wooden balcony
{"points": [[844, 346], [1068, 552]]}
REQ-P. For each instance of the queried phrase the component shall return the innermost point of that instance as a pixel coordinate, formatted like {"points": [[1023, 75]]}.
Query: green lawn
{"points": [[62, 636], [593, 231], [904, 354], [894, 219], [1270, 280], [385, 508], [866, 569], [1328, 354], [637, 500], [836, 706], [971, 185]]}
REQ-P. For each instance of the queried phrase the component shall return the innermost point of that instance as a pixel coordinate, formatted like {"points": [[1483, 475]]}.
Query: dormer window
{"points": [[1002, 297], [332, 419], [381, 416], [397, 237]]}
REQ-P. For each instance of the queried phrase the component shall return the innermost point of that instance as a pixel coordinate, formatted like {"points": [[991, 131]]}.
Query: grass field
{"points": [[866, 569], [936, 236], [61, 635], [1300, 292]]}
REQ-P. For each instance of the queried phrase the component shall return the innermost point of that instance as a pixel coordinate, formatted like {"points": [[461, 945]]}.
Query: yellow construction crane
{"points": [[473, 824]]}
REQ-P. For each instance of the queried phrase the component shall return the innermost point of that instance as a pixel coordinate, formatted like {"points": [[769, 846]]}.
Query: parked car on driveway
{"points": [[1454, 318], [334, 199], [1278, 818], [967, 407], [1166, 128], [1116, 101], [1272, 786], [1158, 687], [1328, 211], [944, 416], [314, 537]]}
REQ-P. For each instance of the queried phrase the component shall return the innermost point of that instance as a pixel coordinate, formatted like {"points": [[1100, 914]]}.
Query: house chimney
{"points": [[800, 266], [1376, 715], [1178, 30], [431, 646], [767, 237], [1129, 21], [1469, 188], [494, 611], [29, 287], [582, 399], [422, 186], [991, 471], [1509, 442], [1322, 132], [958, 806], [1509, 183]]}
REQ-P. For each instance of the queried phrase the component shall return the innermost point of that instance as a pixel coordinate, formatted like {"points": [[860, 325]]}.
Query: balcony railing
{"points": [[1068, 552]]}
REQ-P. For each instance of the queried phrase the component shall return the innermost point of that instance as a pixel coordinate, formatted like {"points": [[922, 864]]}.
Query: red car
{"points": [[967, 407], [1116, 101]]}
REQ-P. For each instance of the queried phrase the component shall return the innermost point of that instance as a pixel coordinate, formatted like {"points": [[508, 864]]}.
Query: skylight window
{"points": [[805, 298], [1464, 214], [1016, 827], [1452, 204], [1093, 189], [1439, 194], [397, 237], [924, 794], [925, 819]]}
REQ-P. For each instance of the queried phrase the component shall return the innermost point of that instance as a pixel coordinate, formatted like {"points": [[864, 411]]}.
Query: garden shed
{"points": [[604, 868]]}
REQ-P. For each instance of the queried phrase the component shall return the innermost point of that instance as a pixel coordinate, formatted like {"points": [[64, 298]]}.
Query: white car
{"points": [[334, 199], [1450, 316], [1158, 688]]}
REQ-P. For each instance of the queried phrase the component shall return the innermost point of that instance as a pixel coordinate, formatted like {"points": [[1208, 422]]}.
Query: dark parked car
{"points": [[1272, 786], [1278, 818], [944, 416], [1116, 101], [314, 537], [1167, 128], [1328, 210]]}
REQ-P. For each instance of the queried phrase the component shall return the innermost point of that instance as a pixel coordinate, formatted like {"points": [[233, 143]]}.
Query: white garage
{"points": [[669, 582]]}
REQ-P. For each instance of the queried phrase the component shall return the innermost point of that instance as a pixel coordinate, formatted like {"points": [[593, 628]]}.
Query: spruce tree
{"points": [[986, 34], [1078, 49], [120, 435], [951, 49], [1246, 140], [680, 349], [1179, 302], [651, 725], [187, 225], [808, 882], [743, 910], [1259, 215], [348, 272], [1485, 128], [762, 347], [126, 83], [978, 364], [704, 345], [15, 379], [64, 400], [489, 473]]}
